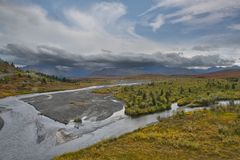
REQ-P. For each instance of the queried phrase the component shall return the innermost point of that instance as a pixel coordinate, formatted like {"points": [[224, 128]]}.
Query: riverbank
{"points": [[1, 123], [204, 134]]}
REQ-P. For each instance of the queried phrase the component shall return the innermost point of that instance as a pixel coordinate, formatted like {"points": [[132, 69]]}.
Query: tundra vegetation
{"points": [[204, 134], [159, 95], [14, 81], [24, 82]]}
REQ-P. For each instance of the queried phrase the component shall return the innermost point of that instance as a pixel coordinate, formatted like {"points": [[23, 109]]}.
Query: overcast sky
{"points": [[86, 33]]}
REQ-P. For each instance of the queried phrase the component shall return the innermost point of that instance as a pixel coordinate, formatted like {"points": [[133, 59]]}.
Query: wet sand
{"points": [[64, 107]]}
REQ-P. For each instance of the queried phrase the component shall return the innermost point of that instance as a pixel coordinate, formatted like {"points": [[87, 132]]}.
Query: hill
{"points": [[6, 68], [221, 74], [14, 81]]}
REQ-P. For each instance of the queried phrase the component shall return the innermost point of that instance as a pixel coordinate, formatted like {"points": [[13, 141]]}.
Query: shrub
{"points": [[78, 120]]}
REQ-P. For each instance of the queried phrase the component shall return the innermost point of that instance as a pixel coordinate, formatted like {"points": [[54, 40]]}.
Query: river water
{"points": [[27, 135]]}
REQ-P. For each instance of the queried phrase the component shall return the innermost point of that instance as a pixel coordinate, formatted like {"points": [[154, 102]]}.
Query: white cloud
{"points": [[182, 19], [102, 26], [157, 23], [197, 11], [109, 13], [82, 20], [234, 26]]}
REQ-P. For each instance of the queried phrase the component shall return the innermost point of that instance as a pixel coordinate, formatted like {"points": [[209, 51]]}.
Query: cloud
{"points": [[52, 56], [194, 12], [98, 17], [40, 55], [109, 13], [234, 26], [202, 23], [224, 40], [205, 48], [104, 35], [157, 23], [81, 32]]}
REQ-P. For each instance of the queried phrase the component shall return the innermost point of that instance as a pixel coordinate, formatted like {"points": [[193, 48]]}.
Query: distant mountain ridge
{"points": [[113, 72], [229, 73], [75, 73], [159, 70]]}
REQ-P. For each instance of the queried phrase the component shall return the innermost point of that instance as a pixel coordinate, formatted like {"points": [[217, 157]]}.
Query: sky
{"points": [[96, 34]]}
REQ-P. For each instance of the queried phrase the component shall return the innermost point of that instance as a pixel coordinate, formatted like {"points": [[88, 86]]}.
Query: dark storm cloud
{"points": [[129, 60], [48, 55], [39, 55]]}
